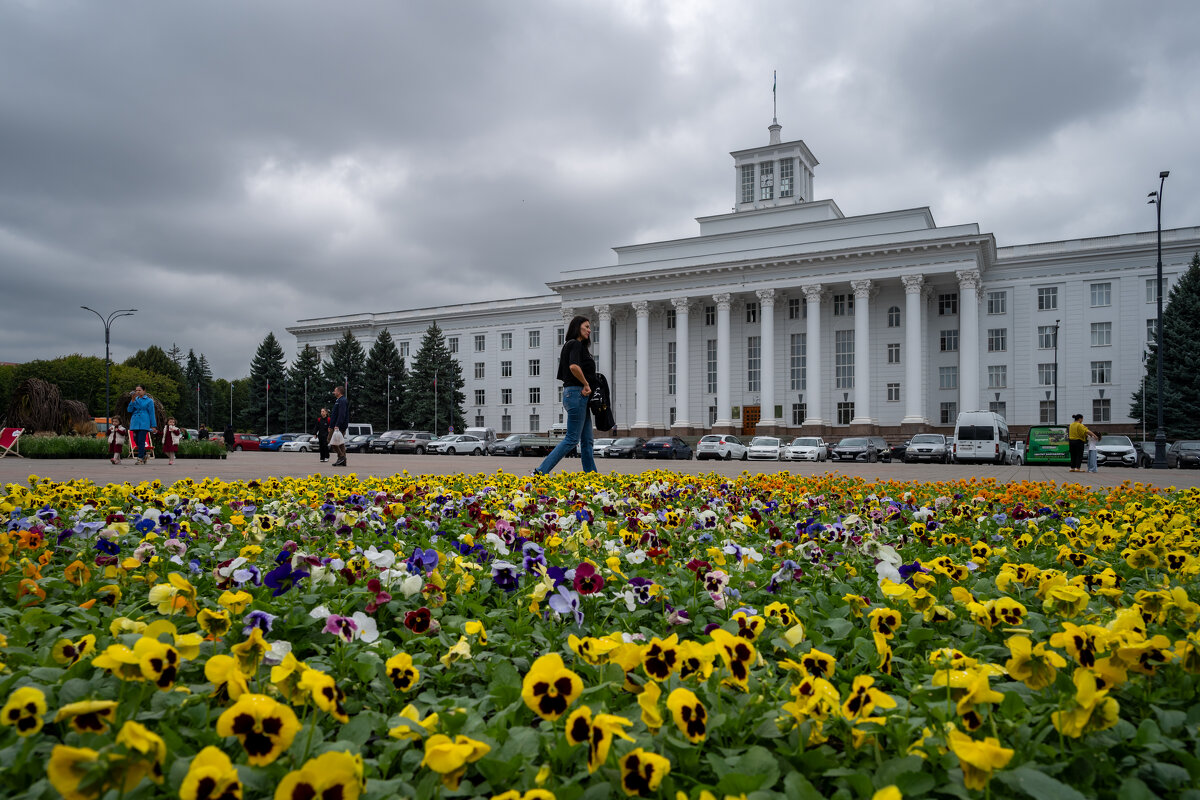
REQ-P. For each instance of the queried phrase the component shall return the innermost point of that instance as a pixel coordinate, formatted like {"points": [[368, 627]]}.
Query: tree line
{"points": [[381, 388]]}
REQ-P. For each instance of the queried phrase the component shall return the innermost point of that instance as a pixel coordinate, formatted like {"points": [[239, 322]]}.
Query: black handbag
{"points": [[599, 403]]}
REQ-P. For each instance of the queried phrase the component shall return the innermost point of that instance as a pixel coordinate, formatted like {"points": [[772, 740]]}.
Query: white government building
{"points": [[786, 316]]}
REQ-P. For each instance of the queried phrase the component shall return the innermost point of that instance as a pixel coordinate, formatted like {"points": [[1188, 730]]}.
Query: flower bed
{"points": [[91, 447], [587, 636]]}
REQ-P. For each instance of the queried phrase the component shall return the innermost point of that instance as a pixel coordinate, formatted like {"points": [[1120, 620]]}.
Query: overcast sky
{"points": [[228, 168]]}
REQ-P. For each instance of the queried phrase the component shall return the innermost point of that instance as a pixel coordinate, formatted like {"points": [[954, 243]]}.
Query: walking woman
{"points": [[321, 431], [577, 371]]}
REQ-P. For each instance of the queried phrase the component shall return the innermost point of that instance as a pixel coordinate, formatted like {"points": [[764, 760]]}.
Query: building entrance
{"points": [[750, 417]]}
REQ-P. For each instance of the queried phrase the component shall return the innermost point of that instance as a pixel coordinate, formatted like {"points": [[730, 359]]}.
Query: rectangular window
{"points": [[710, 316], [751, 313], [558, 398], [998, 407], [1047, 415], [893, 353], [893, 392], [671, 414], [1101, 334], [1046, 374], [479, 420], [798, 361], [949, 341], [753, 364], [506, 341], [670, 319], [561, 335], [997, 340], [1151, 286], [795, 308], [506, 397], [479, 370], [1101, 294], [506, 423], [1047, 337], [480, 342], [747, 183], [670, 367], [843, 359], [712, 415], [845, 413], [997, 302], [766, 180], [799, 413], [1102, 372], [894, 317], [595, 335], [535, 395], [843, 305], [1101, 409], [710, 362], [1151, 329], [535, 340], [786, 177], [404, 350], [535, 367], [535, 423], [1048, 298], [948, 377], [948, 413], [452, 344], [479, 397], [997, 376], [505, 369], [947, 304]]}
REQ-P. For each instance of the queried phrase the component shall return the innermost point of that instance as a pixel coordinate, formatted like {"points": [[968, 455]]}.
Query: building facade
{"points": [[786, 316]]}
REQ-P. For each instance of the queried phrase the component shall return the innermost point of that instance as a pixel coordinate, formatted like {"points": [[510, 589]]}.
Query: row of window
{"points": [[506, 340], [766, 180], [533, 369]]}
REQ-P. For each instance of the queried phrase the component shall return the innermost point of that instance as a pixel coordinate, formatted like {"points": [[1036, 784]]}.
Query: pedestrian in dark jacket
{"points": [[229, 440], [341, 421], [321, 431]]}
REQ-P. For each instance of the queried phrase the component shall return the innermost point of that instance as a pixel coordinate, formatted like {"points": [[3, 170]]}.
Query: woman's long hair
{"points": [[574, 328]]}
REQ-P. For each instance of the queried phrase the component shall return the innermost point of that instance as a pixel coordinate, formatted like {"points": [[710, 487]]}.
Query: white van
{"points": [[359, 429], [488, 435], [980, 436]]}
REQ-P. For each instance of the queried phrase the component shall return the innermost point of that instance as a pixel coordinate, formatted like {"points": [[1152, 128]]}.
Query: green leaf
{"points": [[839, 628], [1038, 784], [798, 787], [1147, 733], [597, 791], [360, 727], [1135, 789]]}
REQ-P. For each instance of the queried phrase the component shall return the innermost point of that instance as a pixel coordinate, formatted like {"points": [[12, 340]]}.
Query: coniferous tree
{"points": [[384, 362], [192, 412], [436, 374], [1181, 355], [346, 367], [176, 355], [267, 371], [206, 390], [307, 389]]}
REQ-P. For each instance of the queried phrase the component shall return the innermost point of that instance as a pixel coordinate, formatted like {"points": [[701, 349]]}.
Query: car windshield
{"points": [[661, 440], [804, 442], [711, 438], [853, 442], [516, 437], [928, 438], [1116, 441], [625, 442], [1189, 445], [764, 441]]}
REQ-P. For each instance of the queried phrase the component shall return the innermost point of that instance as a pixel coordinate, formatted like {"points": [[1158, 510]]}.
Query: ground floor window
{"points": [[506, 424], [845, 413], [535, 423], [712, 415], [998, 407], [1102, 410], [893, 392], [1047, 414], [672, 416], [949, 413], [799, 413], [479, 420]]}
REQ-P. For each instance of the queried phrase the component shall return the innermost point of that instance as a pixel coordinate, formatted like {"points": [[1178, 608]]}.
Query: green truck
{"points": [[1048, 445]]}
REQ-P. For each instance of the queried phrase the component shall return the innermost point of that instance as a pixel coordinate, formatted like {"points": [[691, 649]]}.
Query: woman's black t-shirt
{"points": [[575, 352]]}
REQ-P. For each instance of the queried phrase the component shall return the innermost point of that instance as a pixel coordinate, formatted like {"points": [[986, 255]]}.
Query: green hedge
{"points": [[85, 447]]}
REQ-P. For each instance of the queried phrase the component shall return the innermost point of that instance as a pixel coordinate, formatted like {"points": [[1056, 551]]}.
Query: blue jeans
{"points": [[579, 432], [139, 443]]}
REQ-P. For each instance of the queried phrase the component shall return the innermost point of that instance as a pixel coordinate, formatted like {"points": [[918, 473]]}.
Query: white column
{"points": [[914, 351], [641, 413], [766, 352], [604, 352], [968, 340], [862, 353], [812, 344], [682, 359], [723, 409]]}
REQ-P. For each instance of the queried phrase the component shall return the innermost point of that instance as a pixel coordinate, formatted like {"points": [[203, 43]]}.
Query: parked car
{"points": [[1146, 452], [384, 443], [418, 442], [854, 448], [276, 441], [765, 448], [980, 436], [360, 443], [359, 429], [1016, 453], [600, 447], [460, 444], [665, 447], [1184, 454], [243, 441], [725, 447], [881, 447], [1116, 451], [897, 451], [805, 448], [927, 447], [304, 443], [627, 447]]}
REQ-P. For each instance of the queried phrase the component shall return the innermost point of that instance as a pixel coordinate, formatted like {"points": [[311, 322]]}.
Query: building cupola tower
{"points": [[779, 174]]}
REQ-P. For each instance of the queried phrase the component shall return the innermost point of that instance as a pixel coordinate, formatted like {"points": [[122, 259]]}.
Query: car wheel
{"points": [[477, 452], [420, 451], [728, 455], [450, 451], [745, 455], [238, 448], [303, 449]]}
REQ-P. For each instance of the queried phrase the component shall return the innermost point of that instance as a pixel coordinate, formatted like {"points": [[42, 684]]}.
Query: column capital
{"points": [[766, 296], [968, 278], [568, 313], [604, 312], [862, 288], [724, 300], [812, 292], [913, 283], [681, 304], [642, 307]]}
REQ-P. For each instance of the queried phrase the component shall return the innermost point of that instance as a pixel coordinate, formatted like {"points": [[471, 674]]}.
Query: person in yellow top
{"points": [[1077, 436]]}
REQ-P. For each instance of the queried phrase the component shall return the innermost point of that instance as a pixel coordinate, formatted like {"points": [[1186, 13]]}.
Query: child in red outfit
{"points": [[170, 440], [116, 440]]}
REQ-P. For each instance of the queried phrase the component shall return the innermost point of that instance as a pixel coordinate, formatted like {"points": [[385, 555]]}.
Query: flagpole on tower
{"points": [[774, 106]]}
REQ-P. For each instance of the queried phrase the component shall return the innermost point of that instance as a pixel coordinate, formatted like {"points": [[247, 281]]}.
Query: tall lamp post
{"points": [[1160, 435], [389, 401], [108, 321], [1056, 372]]}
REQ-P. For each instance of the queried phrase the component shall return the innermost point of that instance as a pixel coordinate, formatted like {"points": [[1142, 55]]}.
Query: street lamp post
{"points": [[389, 401], [1160, 435], [1056, 371], [107, 322]]}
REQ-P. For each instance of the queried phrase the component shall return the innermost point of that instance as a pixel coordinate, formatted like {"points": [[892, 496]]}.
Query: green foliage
{"points": [[266, 369], [198, 391], [162, 388], [384, 362], [155, 359], [1181, 378], [307, 389], [93, 447], [347, 366], [436, 374]]}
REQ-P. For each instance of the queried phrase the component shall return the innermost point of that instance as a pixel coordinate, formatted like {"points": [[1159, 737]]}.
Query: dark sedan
{"points": [[360, 443], [1184, 454], [854, 448], [665, 447], [626, 448], [385, 441]]}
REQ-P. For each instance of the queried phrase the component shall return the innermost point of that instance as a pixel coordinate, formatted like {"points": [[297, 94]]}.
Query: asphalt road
{"points": [[250, 465]]}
